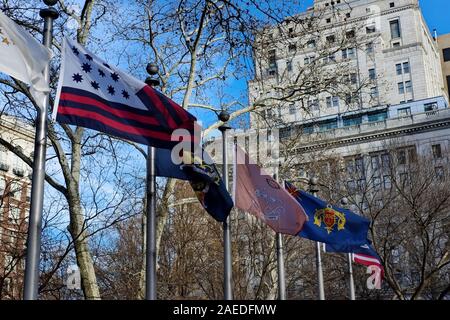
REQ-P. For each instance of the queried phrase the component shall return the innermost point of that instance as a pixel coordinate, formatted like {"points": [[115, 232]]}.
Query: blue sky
{"points": [[436, 14]]}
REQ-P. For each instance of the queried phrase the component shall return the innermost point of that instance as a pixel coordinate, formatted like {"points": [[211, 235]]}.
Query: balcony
{"points": [[387, 125]]}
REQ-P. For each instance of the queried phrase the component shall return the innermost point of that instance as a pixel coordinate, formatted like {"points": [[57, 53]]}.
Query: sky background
{"points": [[437, 14]]}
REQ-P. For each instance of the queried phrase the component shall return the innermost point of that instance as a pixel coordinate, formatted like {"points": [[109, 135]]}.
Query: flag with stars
{"points": [[23, 58], [94, 94]]}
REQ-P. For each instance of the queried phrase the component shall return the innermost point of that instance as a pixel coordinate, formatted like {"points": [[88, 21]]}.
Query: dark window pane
{"points": [[446, 53], [395, 29]]}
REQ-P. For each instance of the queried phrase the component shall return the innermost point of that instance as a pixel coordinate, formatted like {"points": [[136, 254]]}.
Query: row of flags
{"points": [[94, 94], [295, 212]]}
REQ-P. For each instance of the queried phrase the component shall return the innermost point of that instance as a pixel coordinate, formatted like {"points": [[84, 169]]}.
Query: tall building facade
{"points": [[384, 47], [15, 187], [444, 49]]}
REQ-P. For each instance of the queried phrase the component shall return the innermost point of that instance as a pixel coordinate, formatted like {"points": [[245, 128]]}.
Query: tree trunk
{"points": [[84, 259], [77, 223]]}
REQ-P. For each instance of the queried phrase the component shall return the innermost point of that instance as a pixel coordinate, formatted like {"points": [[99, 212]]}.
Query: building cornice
{"points": [[407, 130]]}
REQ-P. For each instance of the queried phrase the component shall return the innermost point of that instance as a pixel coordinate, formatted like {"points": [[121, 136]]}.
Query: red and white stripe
{"points": [[366, 260]]}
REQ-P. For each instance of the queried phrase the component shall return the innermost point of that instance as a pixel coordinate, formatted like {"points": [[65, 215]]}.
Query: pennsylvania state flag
{"points": [[203, 177], [330, 224]]}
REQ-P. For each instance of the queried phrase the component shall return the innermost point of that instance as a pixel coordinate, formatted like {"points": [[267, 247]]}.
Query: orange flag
{"points": [[258, 193]]}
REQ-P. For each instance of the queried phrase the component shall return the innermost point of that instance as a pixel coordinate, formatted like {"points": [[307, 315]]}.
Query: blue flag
{"points": [[365, 249], [204, 179], [329, 224]]}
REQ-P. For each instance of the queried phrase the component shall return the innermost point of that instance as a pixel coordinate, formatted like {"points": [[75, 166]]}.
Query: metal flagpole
{"points": [[228, 294], [351, 282], [313, 188], [281, 274], [31, 281], [280, 262], [150, 257], [350, 277]]}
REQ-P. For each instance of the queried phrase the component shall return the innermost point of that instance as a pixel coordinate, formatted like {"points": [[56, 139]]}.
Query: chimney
{"points": [[435, 35]]}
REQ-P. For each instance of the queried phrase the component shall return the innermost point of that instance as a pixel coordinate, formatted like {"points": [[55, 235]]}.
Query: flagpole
{"points": [[227, 273], [313, 188], [280, 262], [150, 254], [351, 282], [281, 273], [31, 281]]}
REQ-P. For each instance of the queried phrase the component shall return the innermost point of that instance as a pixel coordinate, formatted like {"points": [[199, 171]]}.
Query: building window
{"points": [[398, 66], [396, 44], [404, 177], [331, 39], [386, 161], [362, 184], [439, 173], [327, 125], [448, 85], [430, 107], [330, 58], [401, 88], [375, 160], [348, 53], [369, 47], [348, 99], [272, 59], [354, 78], [406, 68], [329, 102], [377, 183], [387, 182], [350, 166], [292, 48], [446, 54], [374, 92], [289, 66], [395, 29], [401, 157], [403, 112], [371, 29], [392, 5], [372, 74], [328, 20], [350, 34], [359, 163], [292, 108], [311, 44], [351, 185], [335, 101], [408, 85], [352, 121], [437, 151], [313, 105], [377, 116], [347, 15]]}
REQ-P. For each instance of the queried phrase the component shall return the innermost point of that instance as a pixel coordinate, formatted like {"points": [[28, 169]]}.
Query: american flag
{"points": [[94, 94], [367, 256]]}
